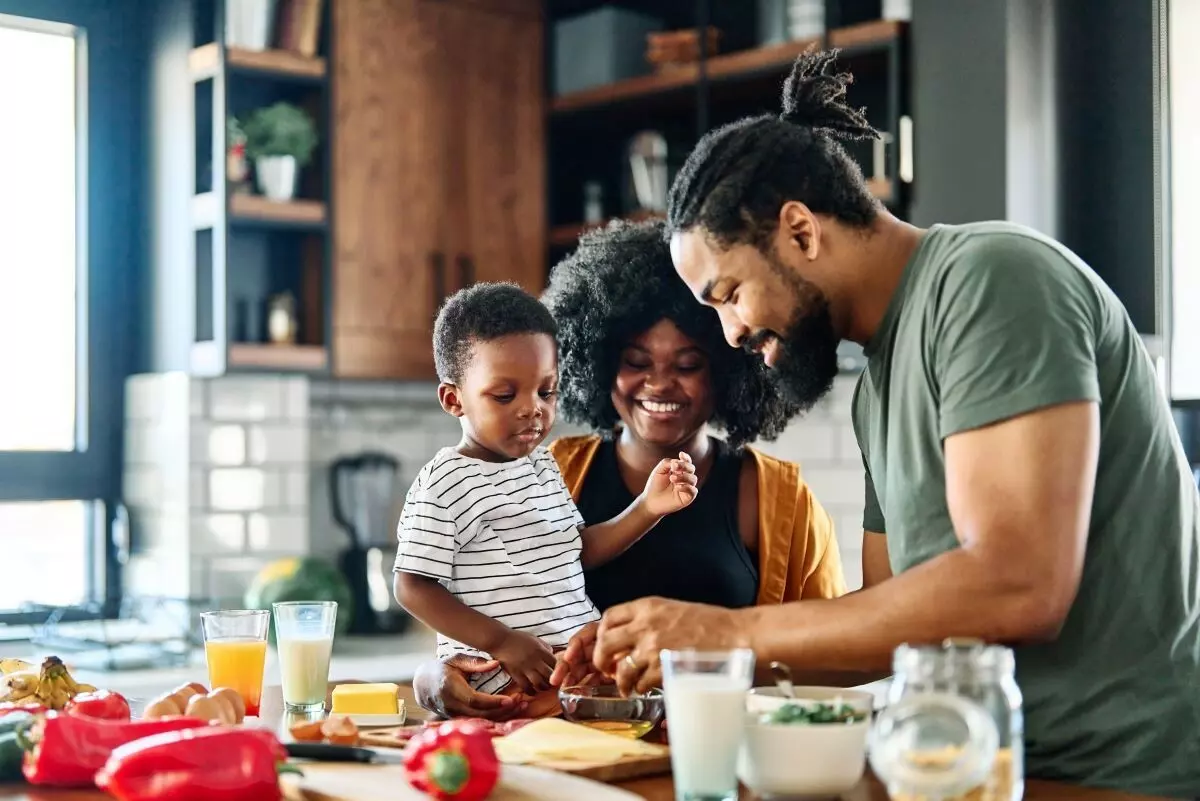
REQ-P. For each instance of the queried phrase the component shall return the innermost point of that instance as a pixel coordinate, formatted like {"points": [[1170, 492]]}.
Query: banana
{"points": [[52, 686], [14, 666], [19, 686], [85, 688]]}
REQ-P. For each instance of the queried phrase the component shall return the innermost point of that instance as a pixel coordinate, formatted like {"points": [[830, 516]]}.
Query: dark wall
{"points": [[116, 68]]}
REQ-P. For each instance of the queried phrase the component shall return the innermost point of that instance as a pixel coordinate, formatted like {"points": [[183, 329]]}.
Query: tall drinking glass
{"points": [[235, 645], [706, 709], [304, 636]]}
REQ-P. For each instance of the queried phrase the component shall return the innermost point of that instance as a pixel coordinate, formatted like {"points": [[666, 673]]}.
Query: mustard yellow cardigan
{"points": [[797, 550]]}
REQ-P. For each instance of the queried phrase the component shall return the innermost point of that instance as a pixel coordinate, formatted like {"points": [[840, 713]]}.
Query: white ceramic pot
{"points": [[249, 24], [276, 176], [803, 760]]}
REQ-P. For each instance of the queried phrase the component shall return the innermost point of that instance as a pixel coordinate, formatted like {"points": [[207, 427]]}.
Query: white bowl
{"points": [[820, 760]]}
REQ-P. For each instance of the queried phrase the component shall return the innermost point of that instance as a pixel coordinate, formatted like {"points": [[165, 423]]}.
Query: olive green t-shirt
{"points": [[993, 320]]}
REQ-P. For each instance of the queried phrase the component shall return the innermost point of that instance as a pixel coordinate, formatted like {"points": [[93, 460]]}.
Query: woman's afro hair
{"points": [[619, 283]]}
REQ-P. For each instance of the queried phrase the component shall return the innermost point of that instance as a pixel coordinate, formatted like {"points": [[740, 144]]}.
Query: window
{"points": [[52, 488], [1183, 77]]}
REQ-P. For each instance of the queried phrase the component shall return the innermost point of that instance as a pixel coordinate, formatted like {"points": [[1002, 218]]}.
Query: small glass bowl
{"points": [[604, 708]]}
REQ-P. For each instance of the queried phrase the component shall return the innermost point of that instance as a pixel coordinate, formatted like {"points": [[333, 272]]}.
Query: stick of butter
{"points": [[366, 699], [552, 739]]}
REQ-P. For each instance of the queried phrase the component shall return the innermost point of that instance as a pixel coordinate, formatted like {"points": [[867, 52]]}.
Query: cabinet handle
{"points": [[466, 271], [437, 265]]}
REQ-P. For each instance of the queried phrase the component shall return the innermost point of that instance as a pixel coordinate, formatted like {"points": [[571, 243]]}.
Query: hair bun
{"points": [[815, 97]]}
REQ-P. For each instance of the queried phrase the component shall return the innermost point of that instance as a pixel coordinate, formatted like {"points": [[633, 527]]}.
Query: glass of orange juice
{"points": [[235, 645]]}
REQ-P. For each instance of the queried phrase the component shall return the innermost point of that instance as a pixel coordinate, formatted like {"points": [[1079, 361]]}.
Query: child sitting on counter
{"points": [[491, 546]]}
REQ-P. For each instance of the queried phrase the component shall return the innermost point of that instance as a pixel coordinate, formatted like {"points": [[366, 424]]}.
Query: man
{"points": [[1025, 483]]}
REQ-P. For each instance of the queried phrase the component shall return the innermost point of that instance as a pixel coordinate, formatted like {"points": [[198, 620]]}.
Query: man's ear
{"points": [[801, 229], [449, 398]]}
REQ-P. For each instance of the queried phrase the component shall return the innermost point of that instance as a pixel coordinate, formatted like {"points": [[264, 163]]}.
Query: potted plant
{"points": [[280, 139]]}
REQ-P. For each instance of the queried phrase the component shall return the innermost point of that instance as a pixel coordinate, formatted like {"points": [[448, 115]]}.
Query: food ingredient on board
{"points": [[69, 749], [50, 685], [210, 764], [455, 760], [340, 730], [818, 713], [13, 738], [631, 729], [497, 728], [222, 705], [554, 740], [997, 786], [103, 704], [366, 699]]}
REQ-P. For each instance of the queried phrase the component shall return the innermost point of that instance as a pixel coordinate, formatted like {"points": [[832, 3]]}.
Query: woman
{"points": [[646, 365]]}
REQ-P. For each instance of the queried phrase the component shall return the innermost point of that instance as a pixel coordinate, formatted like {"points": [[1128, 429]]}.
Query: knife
{"points": [[327, 752]]}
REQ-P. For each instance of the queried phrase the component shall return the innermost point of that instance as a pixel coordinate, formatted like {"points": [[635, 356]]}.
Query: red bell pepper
{"points": [[69, 749], [213, 764], [455, 760], [102, 704]]}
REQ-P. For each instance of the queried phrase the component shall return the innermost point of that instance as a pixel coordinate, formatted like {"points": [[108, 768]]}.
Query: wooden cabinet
{"points": [[438, 168]]}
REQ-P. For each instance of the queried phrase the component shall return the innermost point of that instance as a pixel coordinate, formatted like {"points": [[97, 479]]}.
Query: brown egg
{"points": [[228, 713], [197, 688], [234, 698], [161, 707], [203, 707]]}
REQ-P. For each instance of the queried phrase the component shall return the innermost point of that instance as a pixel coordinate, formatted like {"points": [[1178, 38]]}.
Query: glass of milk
{"points": [[706, 705], [304, 637]]}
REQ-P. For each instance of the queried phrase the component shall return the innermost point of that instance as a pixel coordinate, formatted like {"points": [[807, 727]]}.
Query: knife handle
{"points": [[327, 752]]}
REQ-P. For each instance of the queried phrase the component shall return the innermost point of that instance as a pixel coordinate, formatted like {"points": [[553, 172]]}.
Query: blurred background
{"points": [[225, 228]]}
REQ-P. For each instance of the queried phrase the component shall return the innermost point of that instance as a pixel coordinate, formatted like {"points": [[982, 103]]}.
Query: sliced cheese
{"points": [[555, 740], [366, 699]]}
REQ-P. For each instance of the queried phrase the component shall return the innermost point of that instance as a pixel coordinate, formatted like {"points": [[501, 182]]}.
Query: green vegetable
{"points": [[800, 714], [301, 579], [13, 742]]}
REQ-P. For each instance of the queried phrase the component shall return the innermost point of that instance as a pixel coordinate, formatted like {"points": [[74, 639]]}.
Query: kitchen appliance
{"points": [[363, 496]]}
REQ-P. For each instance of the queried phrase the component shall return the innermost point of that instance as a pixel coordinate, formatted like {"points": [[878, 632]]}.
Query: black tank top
{"points": [[696, 554]]}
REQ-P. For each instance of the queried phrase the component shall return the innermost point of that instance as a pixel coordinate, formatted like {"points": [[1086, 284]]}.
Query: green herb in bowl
{"points": [[818, 713]]}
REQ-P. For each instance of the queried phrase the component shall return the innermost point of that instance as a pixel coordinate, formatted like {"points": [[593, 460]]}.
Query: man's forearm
{"points": [[957, 594], [606, 541]]}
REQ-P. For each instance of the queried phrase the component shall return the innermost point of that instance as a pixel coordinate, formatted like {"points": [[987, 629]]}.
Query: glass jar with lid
{"points": [[953, 728]]}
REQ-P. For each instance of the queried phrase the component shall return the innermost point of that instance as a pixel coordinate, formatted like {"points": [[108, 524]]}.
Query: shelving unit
{"points": [[589, 129], [248, 248]]}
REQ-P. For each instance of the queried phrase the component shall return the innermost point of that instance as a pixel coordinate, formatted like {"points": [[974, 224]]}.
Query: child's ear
{"points": [[448, 397]]}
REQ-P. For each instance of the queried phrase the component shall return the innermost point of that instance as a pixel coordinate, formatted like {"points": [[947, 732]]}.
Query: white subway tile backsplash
{"points": [[852, 568], [143, 396], [836, 486], [277, 533], [847, 445], [277, 444], [239, 398], [222, 444], [243, 489], [142, 485], [229, 577], [198, 407], [295, 398], [296, 489], [804, 442], [218, 534]]}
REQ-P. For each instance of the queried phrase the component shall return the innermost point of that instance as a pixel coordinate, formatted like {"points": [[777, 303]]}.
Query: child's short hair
{"points": [[480, 313]]}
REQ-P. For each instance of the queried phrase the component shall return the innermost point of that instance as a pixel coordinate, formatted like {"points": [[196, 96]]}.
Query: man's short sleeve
{"points": [[872, 515], [1014, 329], [427, 536]]}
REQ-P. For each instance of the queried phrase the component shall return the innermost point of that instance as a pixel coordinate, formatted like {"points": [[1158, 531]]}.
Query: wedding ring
{"points": [[629, 660]]}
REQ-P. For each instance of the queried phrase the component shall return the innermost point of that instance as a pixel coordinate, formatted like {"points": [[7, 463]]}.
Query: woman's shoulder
{"points": [[566, 449]]}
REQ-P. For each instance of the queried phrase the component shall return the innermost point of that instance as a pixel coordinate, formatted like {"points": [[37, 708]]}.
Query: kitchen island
{"points": [[659, 788]]}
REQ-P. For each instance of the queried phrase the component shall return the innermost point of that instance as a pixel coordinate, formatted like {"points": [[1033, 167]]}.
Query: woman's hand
{"points": [[574, 665], [671, 486], [442, 687]]}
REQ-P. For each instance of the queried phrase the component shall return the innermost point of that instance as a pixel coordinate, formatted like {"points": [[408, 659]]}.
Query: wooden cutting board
{"points": [[620, 770], [339, 781]]}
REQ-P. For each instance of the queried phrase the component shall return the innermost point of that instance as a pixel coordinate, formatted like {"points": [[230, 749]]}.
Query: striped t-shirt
{"points": [[503, 538]]}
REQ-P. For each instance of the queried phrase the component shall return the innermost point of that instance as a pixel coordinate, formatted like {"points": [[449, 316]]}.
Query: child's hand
{"points": [[528, 660], [671, 486]]}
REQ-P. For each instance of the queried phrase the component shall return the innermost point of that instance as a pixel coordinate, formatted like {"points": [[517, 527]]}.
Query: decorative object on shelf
{"points": [[879, 148], [648, 178], [237, 167], [299, 26], [593, 203], [600, 47], [280, 139], [673, 49], [249, 24], [805, 19], [281, 318]]}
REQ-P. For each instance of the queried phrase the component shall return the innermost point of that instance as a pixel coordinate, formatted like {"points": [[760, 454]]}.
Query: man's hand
{"points": [[451, 695], [671, 486], [525, 658], [631, 636]]}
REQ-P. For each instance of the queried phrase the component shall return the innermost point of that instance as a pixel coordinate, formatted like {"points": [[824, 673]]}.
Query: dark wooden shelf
{"points": [[205, 62], [739, 65], [256, 209], [260, 356], [565, 236]]}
